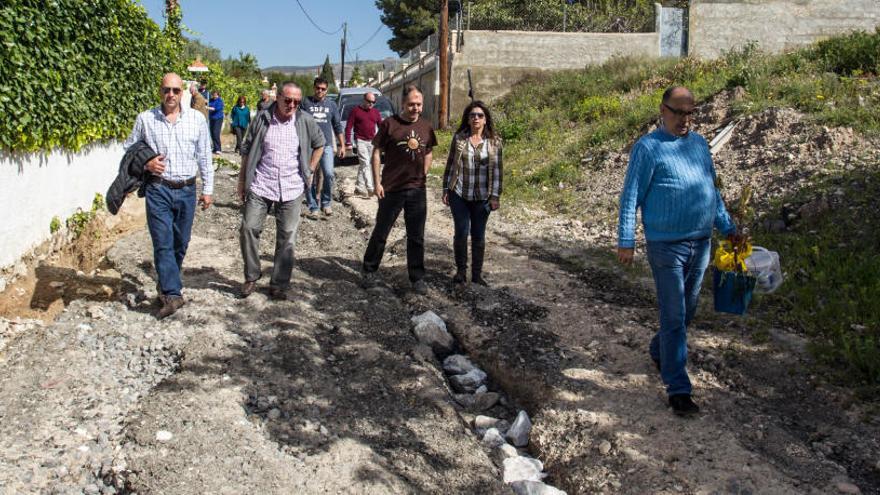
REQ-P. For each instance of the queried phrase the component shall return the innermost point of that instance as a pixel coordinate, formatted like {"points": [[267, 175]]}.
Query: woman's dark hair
{"points": [[242, 100], [488, 128]]}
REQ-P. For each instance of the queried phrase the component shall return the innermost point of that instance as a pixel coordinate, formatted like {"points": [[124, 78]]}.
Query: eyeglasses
{"points": [[680, 113], [289, 100], [166, 90], [477, 115], [370, 102], [319, 88]]}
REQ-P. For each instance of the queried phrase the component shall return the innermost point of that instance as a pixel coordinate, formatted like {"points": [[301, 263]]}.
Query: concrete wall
{"points": [[546, 50], [716, 26], [426, 80], [36, 187]]}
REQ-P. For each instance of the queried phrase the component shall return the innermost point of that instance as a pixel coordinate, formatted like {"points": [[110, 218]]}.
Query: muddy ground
{"points": [[328, 392]]}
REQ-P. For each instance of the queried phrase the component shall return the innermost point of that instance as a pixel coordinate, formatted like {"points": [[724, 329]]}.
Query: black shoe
{"points": [[369, 280], [277, 293], [459, 246], [478, 250], [172, 304], [682, 405], [248, 288]]}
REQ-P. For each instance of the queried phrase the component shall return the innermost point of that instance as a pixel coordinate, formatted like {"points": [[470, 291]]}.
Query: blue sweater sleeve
{"points": [[335, 119], [635, 186], [723, 222]]}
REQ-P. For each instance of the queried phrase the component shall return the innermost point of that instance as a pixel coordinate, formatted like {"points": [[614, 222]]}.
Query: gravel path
{"points": [[328, 391]]}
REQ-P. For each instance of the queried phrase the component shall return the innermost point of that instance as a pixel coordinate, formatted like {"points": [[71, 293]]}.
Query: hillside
{"points": [[805, 141]]}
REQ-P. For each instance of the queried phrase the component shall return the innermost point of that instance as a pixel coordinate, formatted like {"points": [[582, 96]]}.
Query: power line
{"points": [[365, 43], [314, 23]]}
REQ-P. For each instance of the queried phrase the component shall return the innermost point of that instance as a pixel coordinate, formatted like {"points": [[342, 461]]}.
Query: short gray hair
{"points": [[290, 84]]}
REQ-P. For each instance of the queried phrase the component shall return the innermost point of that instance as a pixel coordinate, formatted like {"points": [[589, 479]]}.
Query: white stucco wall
{"points": [[36, 187]]}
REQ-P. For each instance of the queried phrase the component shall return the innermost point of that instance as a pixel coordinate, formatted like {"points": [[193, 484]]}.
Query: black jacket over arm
{"points": [[131, 174]]}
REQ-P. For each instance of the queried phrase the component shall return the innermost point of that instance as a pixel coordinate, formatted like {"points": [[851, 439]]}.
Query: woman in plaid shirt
{"points": [[472, 186]]}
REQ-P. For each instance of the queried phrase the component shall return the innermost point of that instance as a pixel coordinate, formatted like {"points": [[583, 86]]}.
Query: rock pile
{"points": [[470, 390]]}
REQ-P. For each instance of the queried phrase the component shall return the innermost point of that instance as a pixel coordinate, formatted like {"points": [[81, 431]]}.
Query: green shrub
{"points": [[74, 72], [845, 55], [54, 225]]}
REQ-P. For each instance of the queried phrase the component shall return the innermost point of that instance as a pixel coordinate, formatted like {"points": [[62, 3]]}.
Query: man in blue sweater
{"points": [[671, 178]]}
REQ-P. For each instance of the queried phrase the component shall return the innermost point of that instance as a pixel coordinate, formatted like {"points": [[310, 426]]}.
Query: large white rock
{"points": [[483, 423], [534, 488], [522, 468], [493, 438], [430, 317], [469, 382], [519, 431], [457, 364], [434, 336]]}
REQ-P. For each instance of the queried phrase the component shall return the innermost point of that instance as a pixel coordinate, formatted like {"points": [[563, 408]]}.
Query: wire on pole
{"points": [[314, 23]]}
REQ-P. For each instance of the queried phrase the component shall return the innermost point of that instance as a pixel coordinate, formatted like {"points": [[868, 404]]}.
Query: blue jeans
{"points": [[329, 179], [469, 216], [678, 269], [170, 217]]}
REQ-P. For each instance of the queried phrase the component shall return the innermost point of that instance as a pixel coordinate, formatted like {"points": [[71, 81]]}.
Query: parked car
{"points": [[350, 98]]}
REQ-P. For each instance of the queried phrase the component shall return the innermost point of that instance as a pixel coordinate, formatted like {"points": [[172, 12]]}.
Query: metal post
{"points": [[443, 47], [342, 64]]}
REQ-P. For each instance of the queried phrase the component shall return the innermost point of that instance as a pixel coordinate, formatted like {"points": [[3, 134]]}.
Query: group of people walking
{"points": [[670, 178]]}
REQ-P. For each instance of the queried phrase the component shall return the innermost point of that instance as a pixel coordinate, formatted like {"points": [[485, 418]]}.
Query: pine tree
{"points": [[327, 72], [356, 78]]}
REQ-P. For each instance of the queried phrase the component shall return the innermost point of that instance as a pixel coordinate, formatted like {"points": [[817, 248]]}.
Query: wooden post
{"points": [[443, 47]]}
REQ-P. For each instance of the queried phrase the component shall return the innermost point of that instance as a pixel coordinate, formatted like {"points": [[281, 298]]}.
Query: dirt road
{"points": [[328, 392]]}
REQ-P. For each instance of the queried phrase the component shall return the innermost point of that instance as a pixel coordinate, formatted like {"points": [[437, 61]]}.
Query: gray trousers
{"points": [[286, 226]]}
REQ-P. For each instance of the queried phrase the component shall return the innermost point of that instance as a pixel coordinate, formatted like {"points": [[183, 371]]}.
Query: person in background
{"points": [[215, 120], [203, 90], [279, 154], [408, 143], [180, 137], [240, 118], [363, 120], [265, 101], [671, 178], [472, 187], [197, 101], [326, 114]]}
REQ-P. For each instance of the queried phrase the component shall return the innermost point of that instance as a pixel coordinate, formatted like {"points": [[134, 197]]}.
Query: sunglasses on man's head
{"points": [[680, 113], [166, 90]]}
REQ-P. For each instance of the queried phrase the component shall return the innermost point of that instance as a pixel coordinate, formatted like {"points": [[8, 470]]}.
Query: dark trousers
{"points": [[469, 216], [239, 135], [413, 202], [170, 217], [216, 126]]}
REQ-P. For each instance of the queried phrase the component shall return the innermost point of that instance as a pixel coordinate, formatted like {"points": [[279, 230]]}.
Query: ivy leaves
{"points": [[75, 72]]}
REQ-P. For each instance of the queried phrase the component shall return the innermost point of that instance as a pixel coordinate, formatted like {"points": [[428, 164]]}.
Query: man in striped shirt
{"points": [[278, 156], [180, 137]]}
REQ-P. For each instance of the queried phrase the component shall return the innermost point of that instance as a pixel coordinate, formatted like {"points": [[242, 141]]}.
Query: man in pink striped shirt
{"points": [[279, 155]]}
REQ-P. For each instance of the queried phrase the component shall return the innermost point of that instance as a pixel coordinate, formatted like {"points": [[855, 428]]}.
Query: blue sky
{"points": [[278, 32]]}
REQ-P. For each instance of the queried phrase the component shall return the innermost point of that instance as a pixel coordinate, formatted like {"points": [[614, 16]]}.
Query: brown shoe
{"points": [[172, 304], [327, 211], [248, 288]]}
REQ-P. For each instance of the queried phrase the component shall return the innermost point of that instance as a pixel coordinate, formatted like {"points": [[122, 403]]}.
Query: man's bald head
{"points": [[172, 86], [677, 110]]}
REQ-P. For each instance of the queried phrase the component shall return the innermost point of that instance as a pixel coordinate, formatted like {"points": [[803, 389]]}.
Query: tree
{"points": [[195, 48], [411, 21], [327, 72], [356, 78], [244, 66]]}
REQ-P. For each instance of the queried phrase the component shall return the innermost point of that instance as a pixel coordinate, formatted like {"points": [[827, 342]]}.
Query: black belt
{"points": [[173, 184]]}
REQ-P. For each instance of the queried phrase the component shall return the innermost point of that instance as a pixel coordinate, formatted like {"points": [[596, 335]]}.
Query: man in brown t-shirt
{"points": [[407, 142]]}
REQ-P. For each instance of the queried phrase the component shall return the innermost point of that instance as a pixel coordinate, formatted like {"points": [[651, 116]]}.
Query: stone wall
{"points": [[36, 187], [716, 26]]}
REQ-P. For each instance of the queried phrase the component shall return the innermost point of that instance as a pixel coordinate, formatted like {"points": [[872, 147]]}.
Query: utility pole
{"points": [[443, 46], [342, 64]]}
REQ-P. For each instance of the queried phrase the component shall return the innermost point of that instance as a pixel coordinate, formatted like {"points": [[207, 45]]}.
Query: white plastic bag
{"points": [[764, 265]]}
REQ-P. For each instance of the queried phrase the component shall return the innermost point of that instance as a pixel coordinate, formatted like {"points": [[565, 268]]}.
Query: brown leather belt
{"points": [[173, 184]]}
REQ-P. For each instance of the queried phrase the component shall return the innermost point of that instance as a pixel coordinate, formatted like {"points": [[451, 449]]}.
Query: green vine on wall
{"points": [[74, 72]]}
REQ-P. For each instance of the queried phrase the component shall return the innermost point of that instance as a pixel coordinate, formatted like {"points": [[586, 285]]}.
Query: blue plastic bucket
{"points": [[732, 291]]}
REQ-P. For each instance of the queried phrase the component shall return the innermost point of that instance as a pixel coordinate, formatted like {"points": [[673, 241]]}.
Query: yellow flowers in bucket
{"points": [[727, 260]]}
